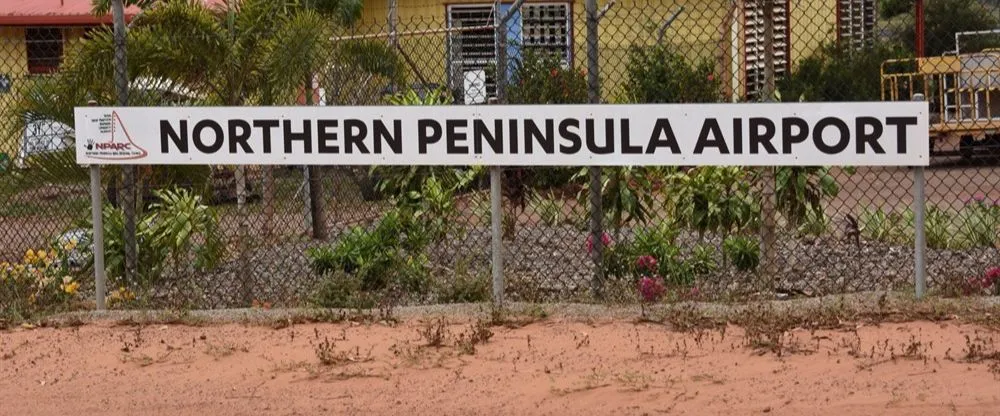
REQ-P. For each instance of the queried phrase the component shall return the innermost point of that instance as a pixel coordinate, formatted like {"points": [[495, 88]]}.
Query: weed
{"points": [[326, 352], [134, 343], [743, 252], [434, 333], [479, 333]]}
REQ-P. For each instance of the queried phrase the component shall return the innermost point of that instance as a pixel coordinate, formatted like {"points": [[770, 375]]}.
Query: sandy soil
{"points": [[547, 367]]}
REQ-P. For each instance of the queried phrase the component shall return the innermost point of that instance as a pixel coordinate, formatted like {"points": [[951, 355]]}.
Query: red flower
{"points": [[605, 241], [651, 288], [646, 263], [711, 77], [553, 72]]}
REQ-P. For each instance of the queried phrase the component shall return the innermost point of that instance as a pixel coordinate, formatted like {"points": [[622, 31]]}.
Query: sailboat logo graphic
{"points": [[119, 145]]}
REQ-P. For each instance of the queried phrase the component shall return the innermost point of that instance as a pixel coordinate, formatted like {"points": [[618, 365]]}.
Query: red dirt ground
{"points": [[546, 368]]}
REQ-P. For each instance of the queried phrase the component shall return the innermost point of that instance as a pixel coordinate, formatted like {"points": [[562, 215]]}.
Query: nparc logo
{"points": [[114, 141]]}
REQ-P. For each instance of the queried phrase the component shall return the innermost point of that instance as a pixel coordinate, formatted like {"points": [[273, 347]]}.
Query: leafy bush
{"points": [[388, 255], [656, 74], [885, 226], [838, 72], [464, 287], [626, 192], [979, 223], [549, 208], [713, 199], [178, 230], [342, 290], [944, 18], [42, 282], [541, 78], [743, 252], [801, 190]]}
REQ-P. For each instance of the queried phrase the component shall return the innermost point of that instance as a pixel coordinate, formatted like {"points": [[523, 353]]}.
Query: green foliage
{"points": [[178, 230], [391, 255], [743, 252], [656, 74], [885, 226], [463, 287], [408, 183], [388, 256], [979, 224], [627, 192], [944, 18], [540, 78], [892, 8], [624, 260], [839, 72], [816, 224], [801, 190], [42, 282], [549, 208], [342, 290], [713, 199], [437, 96]]}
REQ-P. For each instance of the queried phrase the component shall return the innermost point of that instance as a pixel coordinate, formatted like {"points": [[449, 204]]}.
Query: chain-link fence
{"points": [[223, 236]]}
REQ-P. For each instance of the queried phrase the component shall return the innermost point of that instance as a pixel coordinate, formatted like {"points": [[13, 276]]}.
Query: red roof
{"points": [[53, 12], [57, 12]]}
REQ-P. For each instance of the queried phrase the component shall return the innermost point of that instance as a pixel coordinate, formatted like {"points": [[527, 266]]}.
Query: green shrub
{"points": [[541, 78], [743, 252], [978, 225], [464, 287], [713, 199], [656, 74], [549, 208], [801, 190], [838, 72], [885, 226], [178, 233], [391, 254], [342, 290]]}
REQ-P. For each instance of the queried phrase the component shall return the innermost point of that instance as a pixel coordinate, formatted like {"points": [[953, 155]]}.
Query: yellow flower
{"points": [[41, 254], [29, 257], [69, 287]]}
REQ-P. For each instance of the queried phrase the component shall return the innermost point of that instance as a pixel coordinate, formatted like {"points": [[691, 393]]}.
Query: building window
{"points": [[753, 43], [537, 26], [45, 49], [856, 21]]}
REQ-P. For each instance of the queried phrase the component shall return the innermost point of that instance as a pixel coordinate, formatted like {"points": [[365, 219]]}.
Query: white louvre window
{"points": [[471, 51], [538, 26], [856, 21], [546, 27], [753, 35]]}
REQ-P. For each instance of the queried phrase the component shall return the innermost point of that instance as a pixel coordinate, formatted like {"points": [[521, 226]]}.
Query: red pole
{"points": [[919, 18]]}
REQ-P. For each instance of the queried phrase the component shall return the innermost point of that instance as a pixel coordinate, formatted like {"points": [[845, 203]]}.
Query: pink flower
{"points": [[646, 263], [992, 276], [711, 77], [694, 292], [605, 241], [651, 288]]}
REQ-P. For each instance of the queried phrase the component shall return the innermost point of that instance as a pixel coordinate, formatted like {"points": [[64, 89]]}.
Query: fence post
{"points": [[919, 241], [496, 216], [596, 210], [128, 201], [97, 240]]}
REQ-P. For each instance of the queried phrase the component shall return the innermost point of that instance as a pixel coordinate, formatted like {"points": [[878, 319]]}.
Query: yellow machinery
{"points": [[963, 93]]}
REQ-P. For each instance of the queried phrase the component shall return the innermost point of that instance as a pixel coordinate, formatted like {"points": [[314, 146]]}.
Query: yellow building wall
{"points": [[813, 23], [701, 31], [14, 64]]}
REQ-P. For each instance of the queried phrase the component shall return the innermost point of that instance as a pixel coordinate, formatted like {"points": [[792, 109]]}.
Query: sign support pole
{"points": [[97, 239], [920, 240], [496, 216]]}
